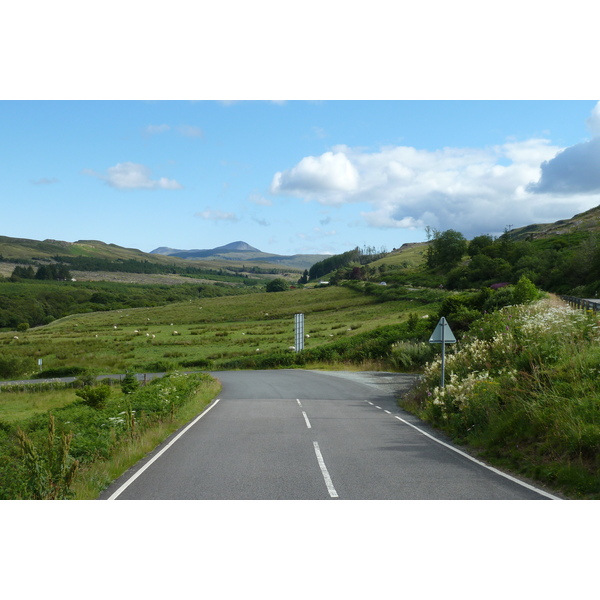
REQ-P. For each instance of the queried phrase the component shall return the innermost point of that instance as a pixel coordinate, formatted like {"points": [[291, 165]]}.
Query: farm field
{"points": [[204, 332]]}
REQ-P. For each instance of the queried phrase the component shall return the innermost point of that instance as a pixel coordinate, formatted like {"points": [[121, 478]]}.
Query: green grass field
{"points": [[188, 334]]}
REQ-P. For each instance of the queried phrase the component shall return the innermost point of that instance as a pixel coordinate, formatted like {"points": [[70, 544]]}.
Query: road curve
{"points": [[297, 434]]}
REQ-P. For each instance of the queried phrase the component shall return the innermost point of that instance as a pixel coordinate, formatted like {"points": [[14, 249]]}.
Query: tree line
{"points": [[337, 261]]}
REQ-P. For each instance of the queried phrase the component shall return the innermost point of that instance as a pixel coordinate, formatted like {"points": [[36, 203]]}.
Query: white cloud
{"points": [[216, 215], [190, 131], [44, 181], [472, 190], [132, 176], [259, 200], [184, 130], [593, 121], [327, 177], [156, 129]]}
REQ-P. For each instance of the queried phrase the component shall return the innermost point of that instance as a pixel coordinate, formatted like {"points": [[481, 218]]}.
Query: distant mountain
{"points": [[241, 251]]}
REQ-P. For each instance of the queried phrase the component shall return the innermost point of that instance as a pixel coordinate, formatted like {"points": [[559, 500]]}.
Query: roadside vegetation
{"points": [[521, 382], [76, 450], [522, 389]]}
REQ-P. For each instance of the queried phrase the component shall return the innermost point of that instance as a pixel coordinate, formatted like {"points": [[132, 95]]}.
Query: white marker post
{"points": [[299, 321], [442, 334]]}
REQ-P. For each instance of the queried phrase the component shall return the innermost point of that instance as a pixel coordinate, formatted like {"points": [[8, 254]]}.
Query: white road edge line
{"points": [[116, 494], [515, 480], [306, 419], [325, 472]]}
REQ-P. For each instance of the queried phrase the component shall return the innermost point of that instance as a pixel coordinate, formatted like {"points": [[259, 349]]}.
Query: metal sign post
{"points": [[443, 335], [299, 321]]}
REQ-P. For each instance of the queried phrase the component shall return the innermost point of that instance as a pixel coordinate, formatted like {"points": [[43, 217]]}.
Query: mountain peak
{"points": [[238, 247]]}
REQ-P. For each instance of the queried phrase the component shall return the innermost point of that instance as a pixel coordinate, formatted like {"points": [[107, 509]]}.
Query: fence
{"points": [[583, 303]]}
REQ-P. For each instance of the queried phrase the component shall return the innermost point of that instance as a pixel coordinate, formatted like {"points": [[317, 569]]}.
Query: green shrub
{"points": [[129, 384], [13, 367], [95, 397]]}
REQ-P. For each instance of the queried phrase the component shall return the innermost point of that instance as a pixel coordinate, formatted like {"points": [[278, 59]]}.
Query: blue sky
{"points": [[340, 127], [291, 176]]}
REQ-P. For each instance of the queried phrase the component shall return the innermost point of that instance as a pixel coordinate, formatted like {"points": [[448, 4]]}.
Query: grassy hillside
{"points": [[585, 222], [21, 249], [207, 331]]}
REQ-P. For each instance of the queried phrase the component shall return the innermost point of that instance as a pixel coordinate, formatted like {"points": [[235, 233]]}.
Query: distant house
{"points": [[383, 283]]}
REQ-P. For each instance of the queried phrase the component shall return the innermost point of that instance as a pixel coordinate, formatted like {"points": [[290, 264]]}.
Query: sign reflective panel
{"points": [[442, 334]]}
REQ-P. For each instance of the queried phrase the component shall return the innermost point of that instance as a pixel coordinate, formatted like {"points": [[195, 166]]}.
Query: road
{"points": [[308, 435]]}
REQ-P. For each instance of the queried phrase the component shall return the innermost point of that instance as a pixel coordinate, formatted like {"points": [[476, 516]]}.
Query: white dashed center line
{"points": [[306, 419], [325, 472]]}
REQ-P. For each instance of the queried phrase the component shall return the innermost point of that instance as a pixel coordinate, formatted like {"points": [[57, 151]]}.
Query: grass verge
{"points": [[95, 477], [522, 390]]}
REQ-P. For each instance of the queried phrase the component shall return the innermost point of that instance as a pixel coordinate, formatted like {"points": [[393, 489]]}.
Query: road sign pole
{"points": [[441, 336], [443, 322]]}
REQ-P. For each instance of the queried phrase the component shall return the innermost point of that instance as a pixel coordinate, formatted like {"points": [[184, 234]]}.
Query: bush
{"points": [[12, 367], [277, 285], [94, 397]]}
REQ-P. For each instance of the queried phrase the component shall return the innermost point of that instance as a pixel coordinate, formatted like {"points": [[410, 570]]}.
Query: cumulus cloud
{"points": [[593, 121], [216, 215], [574, 170], [472, 190], [132, 176], [326, 176]]}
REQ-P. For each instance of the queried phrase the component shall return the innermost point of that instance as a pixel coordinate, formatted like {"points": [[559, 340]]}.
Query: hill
{"points": [[241, 251], [231, 256], [585, 222]]}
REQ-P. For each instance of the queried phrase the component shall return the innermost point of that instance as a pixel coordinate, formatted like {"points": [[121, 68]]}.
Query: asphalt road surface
{"points": [[294, 434]]}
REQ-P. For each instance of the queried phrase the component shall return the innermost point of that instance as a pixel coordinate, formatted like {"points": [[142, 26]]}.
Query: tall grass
{"points": [[77, 449], [523, 388]]}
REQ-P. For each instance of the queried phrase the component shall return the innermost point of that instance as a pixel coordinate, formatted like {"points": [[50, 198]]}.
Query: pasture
{"points": [[204, 332]]}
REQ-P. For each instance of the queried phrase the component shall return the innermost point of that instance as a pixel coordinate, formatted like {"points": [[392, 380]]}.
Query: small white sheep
{"points": [[16, 337]]}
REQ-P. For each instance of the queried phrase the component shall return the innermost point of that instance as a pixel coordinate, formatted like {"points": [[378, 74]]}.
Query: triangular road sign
{"points": [[442, 334]]}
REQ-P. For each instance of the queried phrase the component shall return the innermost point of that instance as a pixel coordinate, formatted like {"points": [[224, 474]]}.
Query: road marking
{"points": [[116, 494], [306, 419], [387, 411], [325, 472], [514, 479], [379, 407], [299, 403]]}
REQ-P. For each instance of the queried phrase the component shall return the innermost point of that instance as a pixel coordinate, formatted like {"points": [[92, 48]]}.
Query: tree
{"points": [[446, 249], [277, 285], [477, 244], [525, 291], [304, 278], [129, 383]]}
